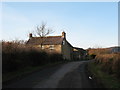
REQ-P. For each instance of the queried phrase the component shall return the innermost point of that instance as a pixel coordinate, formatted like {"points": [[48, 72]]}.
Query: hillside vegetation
{"points": [[106, 65]]}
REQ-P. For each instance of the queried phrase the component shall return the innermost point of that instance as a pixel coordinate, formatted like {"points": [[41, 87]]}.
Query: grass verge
{"points": [[103, 78]]}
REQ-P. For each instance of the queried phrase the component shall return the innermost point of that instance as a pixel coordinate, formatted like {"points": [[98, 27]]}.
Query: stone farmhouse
{"points": [[57, 44]]}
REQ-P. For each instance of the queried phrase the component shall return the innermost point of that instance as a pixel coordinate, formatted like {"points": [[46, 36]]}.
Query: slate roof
{"points": [[50, 40], [79, 49]]}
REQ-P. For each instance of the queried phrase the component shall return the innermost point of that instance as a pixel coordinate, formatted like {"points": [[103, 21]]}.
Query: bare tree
{"points": [[42, 31]]}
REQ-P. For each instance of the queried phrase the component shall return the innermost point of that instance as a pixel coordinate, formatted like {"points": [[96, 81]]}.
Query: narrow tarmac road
{"points": [[70, 75]]}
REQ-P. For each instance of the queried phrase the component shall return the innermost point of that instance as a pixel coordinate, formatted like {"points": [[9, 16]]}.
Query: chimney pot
{"points": [[63, 34], [30, 35]]}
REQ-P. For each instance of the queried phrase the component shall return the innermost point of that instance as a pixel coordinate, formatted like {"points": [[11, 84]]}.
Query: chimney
{"points": [[63, 34], [30, 35]]}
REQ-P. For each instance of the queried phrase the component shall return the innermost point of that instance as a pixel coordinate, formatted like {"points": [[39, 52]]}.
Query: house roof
{"points": [[79, 49], [50, 40]]}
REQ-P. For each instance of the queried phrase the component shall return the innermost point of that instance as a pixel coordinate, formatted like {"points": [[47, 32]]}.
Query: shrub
{"points": [[92, 56], [17, 55], [110, 63], [55, 57], [99, 51]]}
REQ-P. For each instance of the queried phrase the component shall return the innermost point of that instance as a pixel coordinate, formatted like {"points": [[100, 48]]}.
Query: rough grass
{"points": [[104, 79], [110, 63], [99, 51], [106, 67]]}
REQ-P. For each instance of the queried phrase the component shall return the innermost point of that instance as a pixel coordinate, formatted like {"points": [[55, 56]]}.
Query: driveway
{"points": [[69, 75]]}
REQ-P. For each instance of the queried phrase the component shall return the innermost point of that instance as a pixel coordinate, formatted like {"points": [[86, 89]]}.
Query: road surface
{"points": [[69, 75]]}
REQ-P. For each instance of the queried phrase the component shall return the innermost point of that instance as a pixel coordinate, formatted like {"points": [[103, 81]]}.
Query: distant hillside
{"points": [[108, 50]]}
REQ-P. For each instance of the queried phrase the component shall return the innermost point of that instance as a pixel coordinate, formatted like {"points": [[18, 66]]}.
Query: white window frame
{"points": [[63, 42], [51, 47], [43, 47]]}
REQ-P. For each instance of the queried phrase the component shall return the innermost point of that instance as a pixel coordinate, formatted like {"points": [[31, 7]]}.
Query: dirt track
{"points": [[70, 75]]}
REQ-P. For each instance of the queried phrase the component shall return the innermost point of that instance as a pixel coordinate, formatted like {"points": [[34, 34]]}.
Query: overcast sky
{"points": [[87, 24]]}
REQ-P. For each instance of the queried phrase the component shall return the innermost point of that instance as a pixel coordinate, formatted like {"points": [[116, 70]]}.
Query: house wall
{"points": [[76, 55], [67, 51], [79, 54], [56, 48]]}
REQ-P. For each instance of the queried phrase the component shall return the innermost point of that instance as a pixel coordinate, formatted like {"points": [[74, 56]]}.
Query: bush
{"points": [[17, 56], [110, 63], [99, 51], [92, 56], [55, 57]]}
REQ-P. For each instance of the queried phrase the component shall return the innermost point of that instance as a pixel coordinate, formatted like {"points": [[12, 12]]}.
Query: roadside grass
{"points": [[106, 80], [16, 75]]}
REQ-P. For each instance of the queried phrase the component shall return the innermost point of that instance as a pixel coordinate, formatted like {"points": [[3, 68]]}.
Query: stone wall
{"points": [[67, 51]]}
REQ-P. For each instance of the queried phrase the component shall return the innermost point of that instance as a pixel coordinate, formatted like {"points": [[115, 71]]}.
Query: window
{"points": [[51, 47], [42, 47], [63, 42]]}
